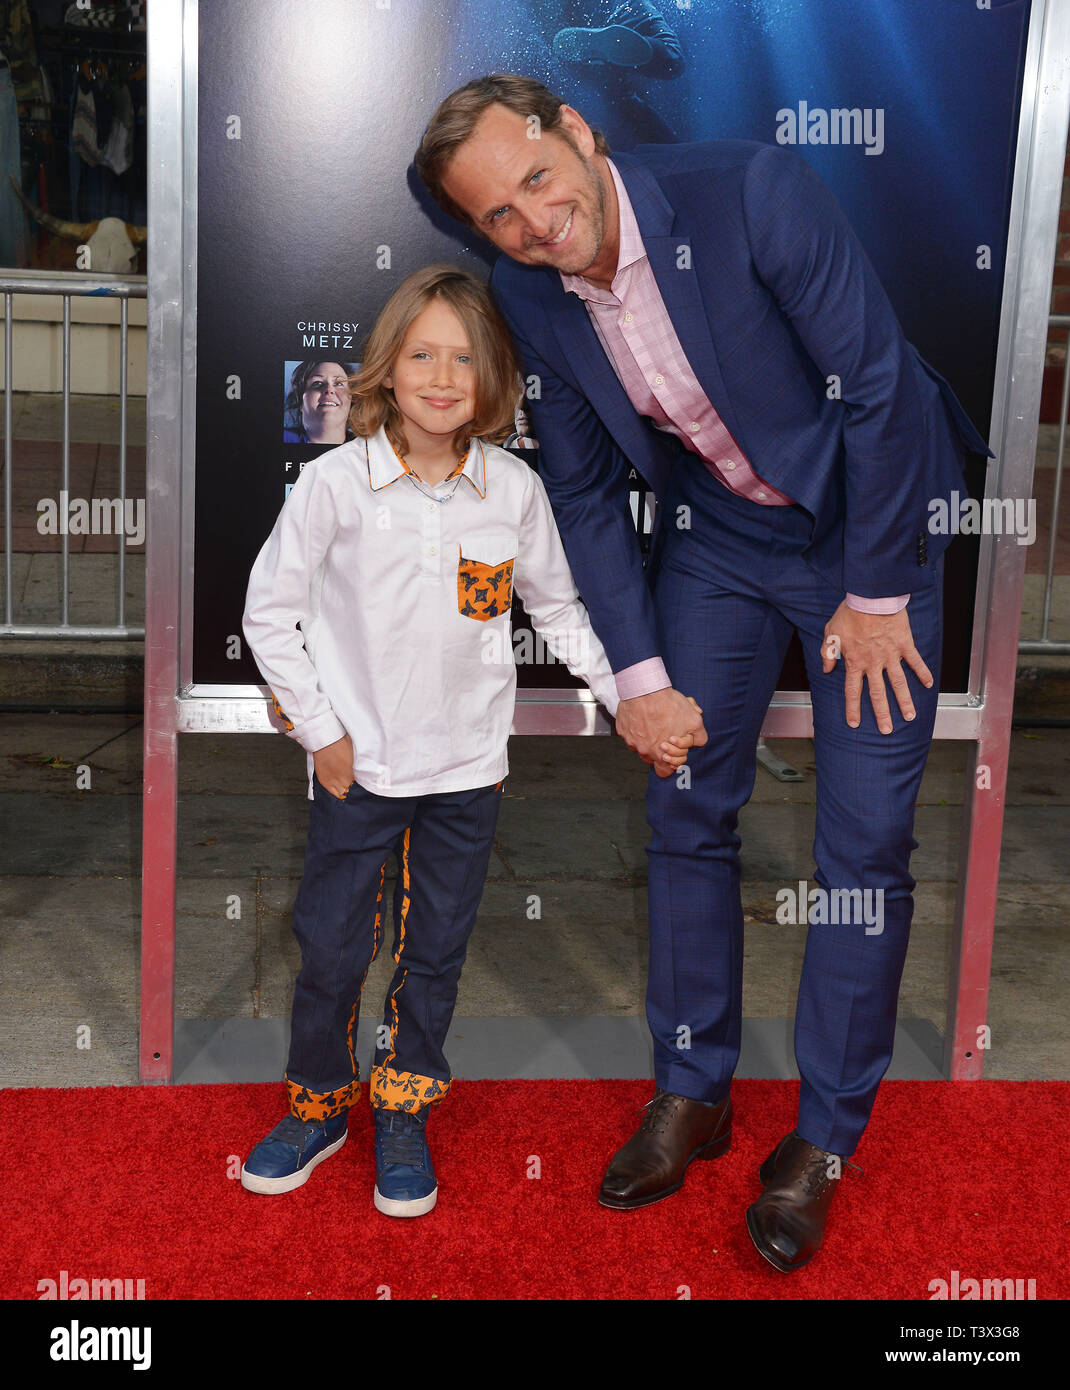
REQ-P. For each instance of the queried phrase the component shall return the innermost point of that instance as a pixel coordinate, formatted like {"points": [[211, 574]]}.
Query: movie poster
{"points": [[309, 212]]}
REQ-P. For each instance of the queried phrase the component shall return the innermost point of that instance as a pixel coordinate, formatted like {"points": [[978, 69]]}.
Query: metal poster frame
{"points": [[981, 714]]}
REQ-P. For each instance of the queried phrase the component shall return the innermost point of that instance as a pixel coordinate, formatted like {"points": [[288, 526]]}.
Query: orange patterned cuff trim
{"points": [[278, 710], [404, 1090], [321, 1105]]}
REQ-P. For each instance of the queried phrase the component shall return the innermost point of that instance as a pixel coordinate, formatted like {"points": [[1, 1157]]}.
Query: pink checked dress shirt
{"points": [[640, 341]]}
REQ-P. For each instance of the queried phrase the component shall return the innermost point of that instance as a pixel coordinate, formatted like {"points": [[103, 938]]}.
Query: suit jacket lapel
{"points": [[585, 354]]}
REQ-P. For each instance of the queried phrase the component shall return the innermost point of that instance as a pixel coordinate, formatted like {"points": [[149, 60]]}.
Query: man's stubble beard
{"points": [[598, 221]]}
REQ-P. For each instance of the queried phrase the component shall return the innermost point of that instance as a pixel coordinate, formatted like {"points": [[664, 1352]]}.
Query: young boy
{"points": [[397, 554]]}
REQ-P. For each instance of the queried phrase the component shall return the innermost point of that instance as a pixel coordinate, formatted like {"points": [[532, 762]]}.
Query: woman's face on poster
{"points": [[325, 403]]}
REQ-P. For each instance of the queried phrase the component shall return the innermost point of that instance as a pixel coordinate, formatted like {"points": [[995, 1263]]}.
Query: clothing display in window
{"points": [[116, 16], [20, 50], [12, 223]]}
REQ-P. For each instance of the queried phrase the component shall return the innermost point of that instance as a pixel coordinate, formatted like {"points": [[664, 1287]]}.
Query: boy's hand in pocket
{"points": [[334, 766]]}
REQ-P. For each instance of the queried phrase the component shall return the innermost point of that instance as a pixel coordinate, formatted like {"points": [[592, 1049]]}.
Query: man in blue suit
{"points": [[705, 314]]}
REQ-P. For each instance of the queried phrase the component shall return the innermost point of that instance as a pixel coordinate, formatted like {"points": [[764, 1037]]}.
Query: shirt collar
{"points": [[385, 464], [631, 246]]}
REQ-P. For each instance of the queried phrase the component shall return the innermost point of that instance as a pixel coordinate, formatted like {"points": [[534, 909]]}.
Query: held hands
{"points": [[661, 727], [873, 645], [334, 766]]}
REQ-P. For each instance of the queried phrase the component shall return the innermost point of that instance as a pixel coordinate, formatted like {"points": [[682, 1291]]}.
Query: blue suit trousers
{"points": [[731, 584]]}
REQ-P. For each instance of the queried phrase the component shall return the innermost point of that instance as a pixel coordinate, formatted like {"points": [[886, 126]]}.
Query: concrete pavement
{"points": [[572, 832]]}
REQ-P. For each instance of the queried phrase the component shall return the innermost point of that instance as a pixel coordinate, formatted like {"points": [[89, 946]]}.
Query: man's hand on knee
{"points": [[873, 645], [661, 727]]}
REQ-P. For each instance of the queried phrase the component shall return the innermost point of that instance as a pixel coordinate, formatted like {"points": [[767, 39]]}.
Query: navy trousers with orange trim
{"points": [[443, 844]]}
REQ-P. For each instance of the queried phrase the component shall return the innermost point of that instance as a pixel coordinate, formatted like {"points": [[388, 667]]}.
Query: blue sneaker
{"points": [[404, 1178], [288, 1155]]}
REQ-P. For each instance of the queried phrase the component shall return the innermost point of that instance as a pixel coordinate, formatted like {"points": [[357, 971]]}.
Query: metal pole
{"points": [[74, 282], [9, 452], [65, 544], [50, 631], [166, 56], [124, 329], [1034, 219], [1053, 535]]}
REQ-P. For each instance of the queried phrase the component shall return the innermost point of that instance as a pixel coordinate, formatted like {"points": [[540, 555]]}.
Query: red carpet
{"points": [[131, 1183]]}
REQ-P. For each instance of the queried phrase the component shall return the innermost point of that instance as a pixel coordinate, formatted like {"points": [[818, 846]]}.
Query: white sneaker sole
{"points": [[252, 1183], [616, 44], [416, 1206]]}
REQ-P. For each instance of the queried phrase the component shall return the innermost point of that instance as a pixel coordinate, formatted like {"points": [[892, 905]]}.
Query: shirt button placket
{"points": [[431, 528]]}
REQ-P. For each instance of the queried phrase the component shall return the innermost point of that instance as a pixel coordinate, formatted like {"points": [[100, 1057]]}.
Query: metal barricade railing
{"points": [[112, 286], [135, 288], [1045, 644]]}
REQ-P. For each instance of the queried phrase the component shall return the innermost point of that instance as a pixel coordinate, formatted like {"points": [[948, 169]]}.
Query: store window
{"points": [[72, 135]]}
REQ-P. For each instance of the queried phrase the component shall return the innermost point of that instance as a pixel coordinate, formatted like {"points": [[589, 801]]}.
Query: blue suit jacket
{"points": [[771, 295]]}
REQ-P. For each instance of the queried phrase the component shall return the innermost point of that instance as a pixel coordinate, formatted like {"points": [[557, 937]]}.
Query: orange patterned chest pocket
{"points": [[485, 577]]}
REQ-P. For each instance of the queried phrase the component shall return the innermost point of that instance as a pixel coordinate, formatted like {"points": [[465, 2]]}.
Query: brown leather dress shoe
{"points": [[673, 1131], [787, 1222]]}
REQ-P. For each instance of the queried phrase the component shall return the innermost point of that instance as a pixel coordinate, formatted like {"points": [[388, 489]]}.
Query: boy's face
{"points": [[433, 377], [541, 201]]}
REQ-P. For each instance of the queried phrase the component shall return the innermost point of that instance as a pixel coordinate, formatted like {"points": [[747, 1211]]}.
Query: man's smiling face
{"points": [[542, 202]]}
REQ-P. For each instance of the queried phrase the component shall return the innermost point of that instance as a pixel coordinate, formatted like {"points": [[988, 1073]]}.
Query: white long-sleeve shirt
{"points": [[403, 603]]}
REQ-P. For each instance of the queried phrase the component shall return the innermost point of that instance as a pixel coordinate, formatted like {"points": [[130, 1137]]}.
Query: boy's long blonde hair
{"points": [[497, 370]]}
